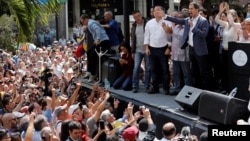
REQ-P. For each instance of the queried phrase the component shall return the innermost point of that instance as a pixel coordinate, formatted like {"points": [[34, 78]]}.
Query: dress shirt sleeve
{"points": [[147, 35]]}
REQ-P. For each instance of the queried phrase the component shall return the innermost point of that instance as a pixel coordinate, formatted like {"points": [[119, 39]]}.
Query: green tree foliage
{"points": [[7, 35], [27, 12]]}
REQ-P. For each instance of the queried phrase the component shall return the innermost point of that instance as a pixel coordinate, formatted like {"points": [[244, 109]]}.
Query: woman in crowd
{"points": [[127, 63], [229, 21]]}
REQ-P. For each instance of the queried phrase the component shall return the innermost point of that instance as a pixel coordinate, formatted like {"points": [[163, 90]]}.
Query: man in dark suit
{"points": [[195, 33]]}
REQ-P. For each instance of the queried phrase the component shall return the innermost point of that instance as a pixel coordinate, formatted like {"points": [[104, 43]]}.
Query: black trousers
{"points": [[92, 57], [200, 72]]}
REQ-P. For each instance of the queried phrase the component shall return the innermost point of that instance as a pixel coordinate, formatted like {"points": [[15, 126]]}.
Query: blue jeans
{"points": [[123, 82], [137, 66], [181, 72], [159, 67]]}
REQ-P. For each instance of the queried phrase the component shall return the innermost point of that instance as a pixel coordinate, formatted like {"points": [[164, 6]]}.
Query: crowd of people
{"points": [[42, 97]]}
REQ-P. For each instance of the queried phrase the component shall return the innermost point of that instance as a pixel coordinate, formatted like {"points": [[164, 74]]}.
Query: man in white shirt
{"points": [[244, 33], [156, 44]]}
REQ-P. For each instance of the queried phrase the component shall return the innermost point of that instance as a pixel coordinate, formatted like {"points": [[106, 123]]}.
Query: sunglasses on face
{"points": [[75, 69], [15, 119]]}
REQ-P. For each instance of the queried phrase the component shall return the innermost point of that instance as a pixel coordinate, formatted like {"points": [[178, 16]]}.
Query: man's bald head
{"points": [[7, 119], [169, 130]]}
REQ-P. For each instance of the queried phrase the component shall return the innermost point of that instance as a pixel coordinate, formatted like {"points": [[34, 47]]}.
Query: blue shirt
{"points": [[48, 114], [112, 32], [97, 31]]}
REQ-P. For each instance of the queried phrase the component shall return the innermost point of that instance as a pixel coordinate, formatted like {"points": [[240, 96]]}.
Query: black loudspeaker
{"points": [[114, 70], [222, 109], [188, 98], [239, 68], [111, 69]]}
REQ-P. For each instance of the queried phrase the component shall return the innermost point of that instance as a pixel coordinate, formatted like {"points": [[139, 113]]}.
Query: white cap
{"points": [[72, 108]]}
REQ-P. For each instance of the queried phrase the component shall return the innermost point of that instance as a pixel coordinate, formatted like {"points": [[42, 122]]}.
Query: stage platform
{"points": [[163, 109]]}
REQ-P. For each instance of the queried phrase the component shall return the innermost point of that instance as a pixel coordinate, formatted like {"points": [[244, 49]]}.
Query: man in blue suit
{"points": [[195, 33]]}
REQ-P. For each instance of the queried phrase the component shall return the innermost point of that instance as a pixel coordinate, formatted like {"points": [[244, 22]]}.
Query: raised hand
{"points": [[222, 7], [227, 6]]}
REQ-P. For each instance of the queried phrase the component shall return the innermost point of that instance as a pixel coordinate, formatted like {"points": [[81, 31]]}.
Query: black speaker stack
{"points": [[212, 106]]}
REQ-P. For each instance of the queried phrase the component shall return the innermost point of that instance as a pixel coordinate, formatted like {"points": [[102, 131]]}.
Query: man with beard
{"points": [[101, 43]]}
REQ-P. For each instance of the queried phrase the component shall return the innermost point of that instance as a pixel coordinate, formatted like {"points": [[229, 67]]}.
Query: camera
{"points": [[45, 75], [185, 134]]}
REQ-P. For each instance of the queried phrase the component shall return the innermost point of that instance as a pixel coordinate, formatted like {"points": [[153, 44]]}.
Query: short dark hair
{"points": [[136, 11], [203, 10], [162, 8], [195, 4], [39, 121], [214, 11], [248, 3], [74, 125], [126, 45], [6, 99], [84, 16]]}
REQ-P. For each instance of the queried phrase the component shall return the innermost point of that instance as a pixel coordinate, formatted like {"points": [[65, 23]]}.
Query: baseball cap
{"points": [[85, 109], [130, 133], [105, 114], [73, 108], [59, 109], [18, 114], [55, 42]]}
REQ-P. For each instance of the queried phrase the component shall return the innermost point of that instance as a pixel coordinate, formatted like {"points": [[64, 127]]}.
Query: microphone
{"points": [[233, 92]]}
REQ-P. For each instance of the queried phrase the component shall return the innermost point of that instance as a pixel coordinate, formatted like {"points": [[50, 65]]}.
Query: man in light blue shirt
{"points": [[101, 42]]}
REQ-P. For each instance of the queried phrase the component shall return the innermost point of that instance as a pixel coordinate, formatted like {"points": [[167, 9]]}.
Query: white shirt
{"points": [[242, 39], [62, 42], [230, 30], [164, 139], [155, 35], [191, 34]]}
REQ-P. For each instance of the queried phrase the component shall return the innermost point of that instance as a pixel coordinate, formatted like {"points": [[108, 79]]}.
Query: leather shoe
{"points": [[135, 90], [166, 92], [173, 93], [153, 91]]}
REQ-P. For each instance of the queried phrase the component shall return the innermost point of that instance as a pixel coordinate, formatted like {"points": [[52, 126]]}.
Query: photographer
{"points": [[185, 135], [46, 78]]}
